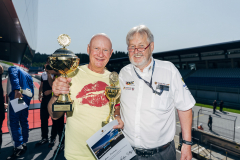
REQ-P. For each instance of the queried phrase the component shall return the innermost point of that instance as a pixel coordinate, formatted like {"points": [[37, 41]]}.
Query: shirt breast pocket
{"points": [[161, 102]]}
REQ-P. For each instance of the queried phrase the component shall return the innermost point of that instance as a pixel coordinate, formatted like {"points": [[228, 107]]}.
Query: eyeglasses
{"points": [[132, 49]]}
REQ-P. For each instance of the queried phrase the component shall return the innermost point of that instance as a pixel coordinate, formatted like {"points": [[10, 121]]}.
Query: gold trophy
{"points": [[65, 62], [112, 92]]}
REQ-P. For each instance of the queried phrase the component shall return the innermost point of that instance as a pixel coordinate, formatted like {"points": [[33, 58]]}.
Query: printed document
{"points": [[18, 107], [110, 144]]}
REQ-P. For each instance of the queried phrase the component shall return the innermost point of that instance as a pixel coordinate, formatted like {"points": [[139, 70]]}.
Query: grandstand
{"points": [[185, 72], [220, 77]]}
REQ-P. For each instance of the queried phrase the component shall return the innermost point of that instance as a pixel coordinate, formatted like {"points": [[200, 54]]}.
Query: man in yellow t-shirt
{"points": [[90, 104]]}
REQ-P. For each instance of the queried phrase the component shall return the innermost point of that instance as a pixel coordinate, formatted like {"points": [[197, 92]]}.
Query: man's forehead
{"points": [[142, 38], [101, 38]]}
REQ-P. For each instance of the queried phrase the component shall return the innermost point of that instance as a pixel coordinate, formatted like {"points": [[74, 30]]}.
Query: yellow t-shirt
{"points": [[90, 109]]}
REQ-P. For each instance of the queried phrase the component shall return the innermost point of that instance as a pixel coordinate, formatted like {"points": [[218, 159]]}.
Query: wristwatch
{"points": [[187, 142]]}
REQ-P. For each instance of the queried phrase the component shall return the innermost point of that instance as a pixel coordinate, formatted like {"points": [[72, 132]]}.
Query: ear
{"points": [[152, 46], [111, 53], [88, 49]]}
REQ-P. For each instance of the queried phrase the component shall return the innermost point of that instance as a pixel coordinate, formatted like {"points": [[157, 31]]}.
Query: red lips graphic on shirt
{"points": [[93, 94]]}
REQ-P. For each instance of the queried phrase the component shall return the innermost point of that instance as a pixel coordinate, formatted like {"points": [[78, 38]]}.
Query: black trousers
{"points": [[2, 117], [1, 122], [57, 126], [168, 154], [210, 126]]}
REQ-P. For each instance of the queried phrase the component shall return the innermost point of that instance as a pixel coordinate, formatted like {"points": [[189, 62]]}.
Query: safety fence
{"points": [[222, 124]]}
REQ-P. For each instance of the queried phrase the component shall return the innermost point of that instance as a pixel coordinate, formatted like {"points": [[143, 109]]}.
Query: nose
{"points": [[100, 54], [135, 50]]}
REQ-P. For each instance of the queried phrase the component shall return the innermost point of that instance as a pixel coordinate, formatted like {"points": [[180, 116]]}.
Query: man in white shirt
{"points": [[151, 89]]}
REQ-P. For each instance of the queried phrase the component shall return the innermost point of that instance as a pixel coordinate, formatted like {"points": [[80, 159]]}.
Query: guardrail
{"points": [[211, 88], [217, 147]]}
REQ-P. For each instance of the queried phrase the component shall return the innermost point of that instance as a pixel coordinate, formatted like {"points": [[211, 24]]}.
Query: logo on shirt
{"points": [[127, 88], [160, 87], [93, 94], [183, 80], [184, 85], [164, 84], [130, 83]]}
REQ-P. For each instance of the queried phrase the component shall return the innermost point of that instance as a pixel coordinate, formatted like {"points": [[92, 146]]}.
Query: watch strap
{"points": [[187, 142]]}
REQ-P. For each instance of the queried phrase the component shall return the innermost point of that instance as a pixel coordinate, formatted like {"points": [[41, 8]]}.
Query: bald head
{"points": [[100, 51], [102, 35]]}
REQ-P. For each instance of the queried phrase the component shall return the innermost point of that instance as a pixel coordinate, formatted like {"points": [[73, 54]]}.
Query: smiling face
{"points": [[137, 58], [100, 51]]}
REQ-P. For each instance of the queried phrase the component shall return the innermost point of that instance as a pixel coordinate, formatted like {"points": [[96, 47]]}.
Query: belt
{"points": [[150, 152]]}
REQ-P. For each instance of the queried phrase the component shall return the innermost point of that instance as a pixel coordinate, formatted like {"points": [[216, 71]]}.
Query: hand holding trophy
{"points": [[65, 62], [112, 92]]}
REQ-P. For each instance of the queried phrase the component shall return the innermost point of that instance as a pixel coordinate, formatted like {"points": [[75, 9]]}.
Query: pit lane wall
{"points": [[230, 146]]}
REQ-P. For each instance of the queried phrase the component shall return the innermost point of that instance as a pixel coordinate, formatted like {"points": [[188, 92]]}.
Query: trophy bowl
{"points": [[65, 62]]}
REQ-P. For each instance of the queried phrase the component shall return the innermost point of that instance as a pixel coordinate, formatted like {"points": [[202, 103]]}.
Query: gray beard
{"points": [[140, 64]]}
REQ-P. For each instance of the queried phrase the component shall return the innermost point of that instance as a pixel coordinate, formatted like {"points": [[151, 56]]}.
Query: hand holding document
{"points": [[110, 144], [16, 106]]}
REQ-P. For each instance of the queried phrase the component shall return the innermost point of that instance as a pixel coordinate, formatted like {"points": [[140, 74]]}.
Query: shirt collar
{"points": [[147, 69]]}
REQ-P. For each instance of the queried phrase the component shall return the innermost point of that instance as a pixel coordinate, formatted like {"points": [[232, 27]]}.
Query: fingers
{"points": [[120, 124], [61, 86]]}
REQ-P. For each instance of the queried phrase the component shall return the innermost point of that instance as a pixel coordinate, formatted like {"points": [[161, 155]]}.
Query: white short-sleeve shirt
{"points": [[149, 119]]}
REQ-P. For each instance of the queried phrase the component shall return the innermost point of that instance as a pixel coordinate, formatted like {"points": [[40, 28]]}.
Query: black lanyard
{"points": [[150, 83]]}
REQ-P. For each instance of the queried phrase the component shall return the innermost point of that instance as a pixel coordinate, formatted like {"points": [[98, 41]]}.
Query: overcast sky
{"points": [[175, 24]]}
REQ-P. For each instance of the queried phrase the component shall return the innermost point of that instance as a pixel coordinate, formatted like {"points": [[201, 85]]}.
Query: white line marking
{"points": [[238, 127]]}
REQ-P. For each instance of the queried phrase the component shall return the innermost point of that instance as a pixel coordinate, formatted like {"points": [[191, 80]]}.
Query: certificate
{"points": [[110, 144], [18, 107]]}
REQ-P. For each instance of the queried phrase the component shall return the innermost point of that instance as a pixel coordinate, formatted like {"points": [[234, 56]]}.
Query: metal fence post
{"points": [[192, 119], [210, 151], [198, 118], [234, 129], [198, 146]]}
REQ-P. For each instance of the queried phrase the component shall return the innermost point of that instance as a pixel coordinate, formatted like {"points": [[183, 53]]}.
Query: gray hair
{"points": [[141, 29], [100, 34]]}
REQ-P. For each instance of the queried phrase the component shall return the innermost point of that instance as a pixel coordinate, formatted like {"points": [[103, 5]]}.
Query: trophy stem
{"points": [[110, 116], [64, 98]]}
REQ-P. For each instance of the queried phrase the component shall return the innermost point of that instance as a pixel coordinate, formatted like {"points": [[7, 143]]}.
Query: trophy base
{"points": [[62, 107], [20, 101]]}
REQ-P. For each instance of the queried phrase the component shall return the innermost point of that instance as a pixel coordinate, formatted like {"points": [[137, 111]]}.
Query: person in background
{"points": [[58, 128], [200, 126], [221, 106], [45, 94], [210, 122], [3, 106], [214, 106], [20, 84]]}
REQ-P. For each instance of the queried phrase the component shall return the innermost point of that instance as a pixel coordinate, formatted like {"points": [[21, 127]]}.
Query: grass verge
{"points": [[224, 109], [7, 63]]}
